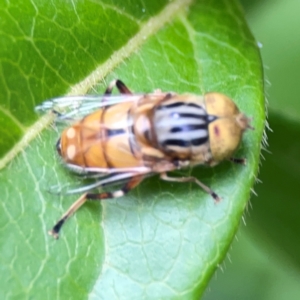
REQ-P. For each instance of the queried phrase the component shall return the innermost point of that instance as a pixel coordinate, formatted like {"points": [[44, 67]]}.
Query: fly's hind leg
{"points": [[165, 177], [76, 205], [119, 193], [87, 196], [123, 89]]}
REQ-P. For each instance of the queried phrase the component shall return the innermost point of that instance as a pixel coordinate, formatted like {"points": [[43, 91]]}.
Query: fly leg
{"points": [[240, 161], [87, 196], [119, 193], [76, 205], [164, 176], [123, 89]]}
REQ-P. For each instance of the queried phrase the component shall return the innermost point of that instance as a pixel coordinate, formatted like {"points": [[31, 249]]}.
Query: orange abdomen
{"points": [[102, 139]]}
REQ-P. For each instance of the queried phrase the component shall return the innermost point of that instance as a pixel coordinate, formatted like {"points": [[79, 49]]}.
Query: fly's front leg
{"points": [[123, 89], [239, 161], [87, 196], [165, 177]]}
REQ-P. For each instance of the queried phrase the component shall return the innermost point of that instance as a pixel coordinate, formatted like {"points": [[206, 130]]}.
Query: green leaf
{"points": [[163, 240], [268, 248]]}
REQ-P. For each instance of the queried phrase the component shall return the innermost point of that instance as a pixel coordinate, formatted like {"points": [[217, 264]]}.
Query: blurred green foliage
{"points": [[266, 258]]}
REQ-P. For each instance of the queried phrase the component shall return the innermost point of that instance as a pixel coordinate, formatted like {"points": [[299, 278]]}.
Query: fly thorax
{"points": [[181, 128], [142, 129]]}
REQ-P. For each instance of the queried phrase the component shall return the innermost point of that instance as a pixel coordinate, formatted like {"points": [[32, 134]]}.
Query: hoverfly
{"points": [[128, 137]]}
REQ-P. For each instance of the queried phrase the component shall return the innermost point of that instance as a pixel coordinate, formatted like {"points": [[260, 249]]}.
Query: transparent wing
{"points": [[76, 107], [90, 172], [108, 181]]}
